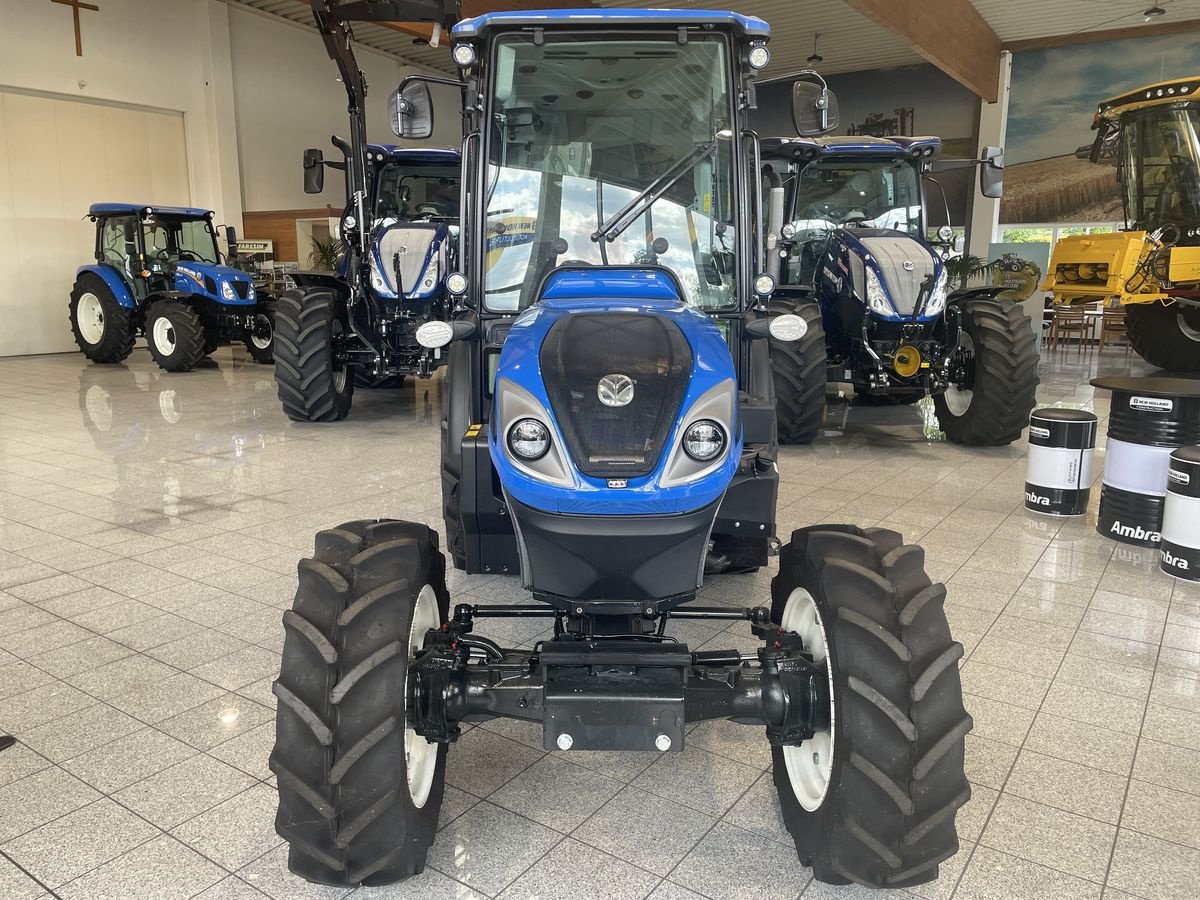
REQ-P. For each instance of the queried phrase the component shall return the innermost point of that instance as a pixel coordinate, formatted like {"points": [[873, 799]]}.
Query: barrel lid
{"points": [[1187, 454], [1149, 386], [1062, 414]]}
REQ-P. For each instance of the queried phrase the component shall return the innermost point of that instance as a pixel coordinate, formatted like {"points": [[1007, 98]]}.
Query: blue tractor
{"points": [[159, 272], [609, 434], [358, 326], [847, 239]]}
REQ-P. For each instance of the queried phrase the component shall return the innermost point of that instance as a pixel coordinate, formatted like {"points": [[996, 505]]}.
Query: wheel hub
{"points": [[89, 316], [961, 389], [420, 756], [164, 336], [810, 763]]}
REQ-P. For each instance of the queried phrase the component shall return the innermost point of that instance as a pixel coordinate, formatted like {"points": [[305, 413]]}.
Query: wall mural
{"points": [[1053, 99]]}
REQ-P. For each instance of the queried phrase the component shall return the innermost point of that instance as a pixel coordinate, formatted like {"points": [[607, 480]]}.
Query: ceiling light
{"points": [[816, 57], [1154, 12]]}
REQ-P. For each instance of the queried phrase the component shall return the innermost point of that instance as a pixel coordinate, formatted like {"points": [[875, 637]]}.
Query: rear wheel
{"points": [[359, 791], [260, 342], [175, 335], [313, 385], [872, 799], [1165, 336], [799, 368], [103, 329], [990, 403]]}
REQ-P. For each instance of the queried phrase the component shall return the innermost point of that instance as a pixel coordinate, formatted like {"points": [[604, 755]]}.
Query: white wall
{"points": [[287, 98]]}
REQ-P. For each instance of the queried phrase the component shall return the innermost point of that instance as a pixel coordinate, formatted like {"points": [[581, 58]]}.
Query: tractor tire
{"points": [[262, 346], [311, 387], [358, 795], [106, 332], [175, 335], [799, 368], [377, 382], [1165, 336], [996, 408], [873, 800]]}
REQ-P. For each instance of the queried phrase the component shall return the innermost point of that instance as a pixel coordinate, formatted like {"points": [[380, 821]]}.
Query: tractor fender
{"points": [[181, 296], [327, 280], [115, 281], [990, 292]]}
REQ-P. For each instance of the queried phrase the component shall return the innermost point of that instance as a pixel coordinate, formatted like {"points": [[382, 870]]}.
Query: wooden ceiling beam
{"points": [[951, 34], [1107, 34]]}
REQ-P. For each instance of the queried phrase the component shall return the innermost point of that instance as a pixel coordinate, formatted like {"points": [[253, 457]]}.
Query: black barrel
{"points": [[1149, 418], [1181, 517], [1058, 473]]}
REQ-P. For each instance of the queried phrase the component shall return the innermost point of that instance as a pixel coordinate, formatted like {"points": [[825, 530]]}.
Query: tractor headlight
{"points": [[456, 284], [528, 439], [764, 285], [877, 298], [937, 297], [227, 292], [704, 440], [251, 293], [464, 55], [378, 283], [758, 57], [945, 234], [788, 231]]}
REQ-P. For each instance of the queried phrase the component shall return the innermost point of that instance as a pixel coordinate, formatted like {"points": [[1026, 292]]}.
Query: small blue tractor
{"points": [[847, 240], [358, 326], [609, 433], [159, 272]]}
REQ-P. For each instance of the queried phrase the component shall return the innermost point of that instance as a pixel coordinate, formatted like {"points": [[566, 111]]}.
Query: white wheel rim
{"points": [[339, 380], [810, 765], [261, 343], [163, 335], [89, 316], [958, 400], [420, 756], [168, 407], [98, 403], [1188, 331]]}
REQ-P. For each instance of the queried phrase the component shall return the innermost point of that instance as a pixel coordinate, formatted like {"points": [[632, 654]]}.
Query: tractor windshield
{"points": [[864, 193], [1161, 162], [584, 128], [406, 192], [170, 239]]}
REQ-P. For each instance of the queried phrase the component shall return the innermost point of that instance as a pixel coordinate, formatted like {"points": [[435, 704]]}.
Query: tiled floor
{"points": [[149, 530]]}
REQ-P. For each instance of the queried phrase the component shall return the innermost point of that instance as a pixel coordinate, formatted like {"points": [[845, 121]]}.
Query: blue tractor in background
{"points": [[847, 240], [159, 272], [609, 433]]}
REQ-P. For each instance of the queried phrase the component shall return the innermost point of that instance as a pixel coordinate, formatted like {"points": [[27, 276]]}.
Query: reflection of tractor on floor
{"points": [[875, 125], [1153, 267], [158, 271]]}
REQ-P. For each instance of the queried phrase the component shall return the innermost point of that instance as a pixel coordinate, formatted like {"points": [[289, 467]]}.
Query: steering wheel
{"points": [[574, 262], [188, 256], [855, 220]]}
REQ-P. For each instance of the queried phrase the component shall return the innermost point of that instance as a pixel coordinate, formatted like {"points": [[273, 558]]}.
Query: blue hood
{"points": [[631, 292], [208, 279]]}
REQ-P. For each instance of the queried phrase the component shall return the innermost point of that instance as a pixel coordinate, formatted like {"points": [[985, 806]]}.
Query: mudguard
{"points": [[115, 281], [326, 280]]}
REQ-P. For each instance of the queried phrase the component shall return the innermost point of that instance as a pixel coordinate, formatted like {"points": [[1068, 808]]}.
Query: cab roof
{"points": [[1157, 94], [851, 145], [417, 155], [745, 26], [139, 209]]}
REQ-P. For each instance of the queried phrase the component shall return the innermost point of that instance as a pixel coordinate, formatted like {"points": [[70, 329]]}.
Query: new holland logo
{"points": [[1036, 499], [1175, 562], [1151, 404], [908, 265], [190, 273], [1179, 477], [1035, 431], [615, 390], [1137, 532]]}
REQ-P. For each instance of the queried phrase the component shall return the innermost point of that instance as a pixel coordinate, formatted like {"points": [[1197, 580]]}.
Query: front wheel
{"points": [[175, 335], [995, 386], [799, 370], [1165, 336], [872, 799], [359, 790], [314, 386], [260, 342]]}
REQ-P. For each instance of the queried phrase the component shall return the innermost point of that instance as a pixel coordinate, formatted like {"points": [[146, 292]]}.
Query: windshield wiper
{"points": [[611, 229]]}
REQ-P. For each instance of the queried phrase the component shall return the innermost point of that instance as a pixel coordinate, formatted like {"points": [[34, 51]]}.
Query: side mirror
{"points": [[411, 110], [814, 108], [314, 171], [991, 173], [231, 238]]}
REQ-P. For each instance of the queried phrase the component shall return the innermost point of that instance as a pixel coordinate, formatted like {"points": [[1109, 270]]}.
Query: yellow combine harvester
{"points": [[1152, 268]]}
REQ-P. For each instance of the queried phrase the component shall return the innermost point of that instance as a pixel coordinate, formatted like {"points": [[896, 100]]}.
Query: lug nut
{"points": [[663, 742], [565, 741]]}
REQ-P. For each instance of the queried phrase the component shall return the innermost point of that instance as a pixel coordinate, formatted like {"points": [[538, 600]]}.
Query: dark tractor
{"points": [[159, 272], [609, 433], [399, 229], [847, 233]]}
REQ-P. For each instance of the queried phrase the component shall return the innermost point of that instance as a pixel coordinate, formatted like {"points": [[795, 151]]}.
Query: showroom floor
{"points": [[149, 530]]}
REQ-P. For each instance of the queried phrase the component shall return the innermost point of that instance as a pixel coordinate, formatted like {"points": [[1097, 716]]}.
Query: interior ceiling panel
{"points": [[1018, 20]]}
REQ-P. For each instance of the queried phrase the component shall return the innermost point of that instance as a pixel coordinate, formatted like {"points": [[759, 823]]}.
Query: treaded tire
{"points": [[1006, 376], [377, 382], [264, 355], [897, 778], [310, 388], [116, 341], [799, 369], [1156, 334], [186, 329], [345, 805]]}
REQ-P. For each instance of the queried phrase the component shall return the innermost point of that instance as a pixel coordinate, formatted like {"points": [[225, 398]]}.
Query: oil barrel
{"points": [[1181, 516], [1058, 473]]}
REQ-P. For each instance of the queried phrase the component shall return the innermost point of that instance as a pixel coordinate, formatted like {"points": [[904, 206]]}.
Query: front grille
{"points": [[906, 266], [242, 289], [210, 285], [580, 350]]}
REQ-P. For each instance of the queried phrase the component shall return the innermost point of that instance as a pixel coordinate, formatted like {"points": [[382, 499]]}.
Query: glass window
{"points": [[1162, 167], [407, 192], [175, 240], [118, 240], [631, 136]]}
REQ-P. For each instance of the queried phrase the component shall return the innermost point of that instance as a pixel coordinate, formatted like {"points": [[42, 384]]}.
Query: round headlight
{"points": [[528, 439], [349, 222], [788, 327], [432, 335], [704, 440], [788, 231], [456, 283], [764, 285], [945, 234], [464, 54], [759, 56]]}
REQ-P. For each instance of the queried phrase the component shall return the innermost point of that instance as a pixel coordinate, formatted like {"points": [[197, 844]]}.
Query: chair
{"points": [[1112, 327], [1068, 321]]}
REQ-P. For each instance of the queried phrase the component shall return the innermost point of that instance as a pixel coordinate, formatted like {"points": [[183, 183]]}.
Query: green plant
{"points": [[325, 253], [966, 267]]}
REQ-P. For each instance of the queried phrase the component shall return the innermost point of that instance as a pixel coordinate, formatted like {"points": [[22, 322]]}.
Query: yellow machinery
{"points": [[1152, 267]]}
